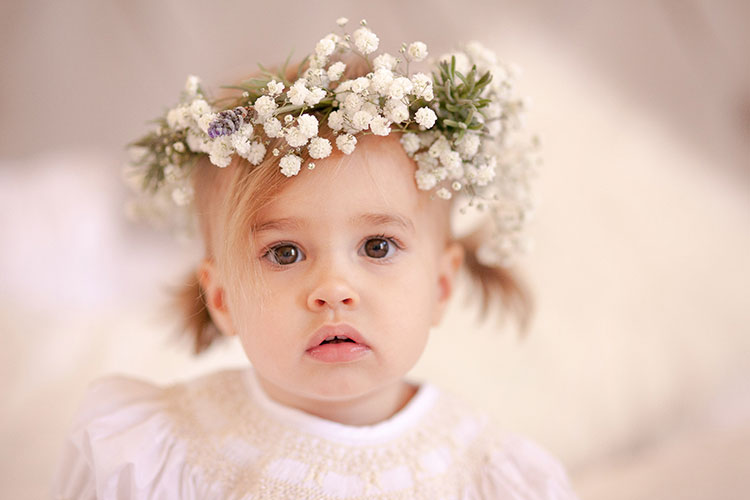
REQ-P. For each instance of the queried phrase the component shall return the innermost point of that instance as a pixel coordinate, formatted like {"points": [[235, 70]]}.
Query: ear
{"points": [[215, 295], [448, 266]]}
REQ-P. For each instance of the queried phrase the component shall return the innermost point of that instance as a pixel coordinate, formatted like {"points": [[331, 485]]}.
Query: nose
{"points": [[332, 292]]}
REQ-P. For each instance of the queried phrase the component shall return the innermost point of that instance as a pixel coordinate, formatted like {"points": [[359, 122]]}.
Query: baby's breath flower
{"points": [[365, 40], [265, 106], [314, 96], [341, 21], [298, 93], [361, 120], [336, 70], [417, 51], [272, 128], [319, 148], [443, 194], [183, 195], [221, 151], [400, 87], [325, 47], [411, 143], [179, 147], [275, 88], [384, 61], [352, 103], [288, 119], [192, 85], [336, 120], [450, 159], [422, 86], [381, 80], [290, 165], [295, 138], [456, 186], [308, 125], [256, 153], [425, 117], [346, 143], [380, 126], [468, 146], [360, 85], [425, 179], [396, 111]]}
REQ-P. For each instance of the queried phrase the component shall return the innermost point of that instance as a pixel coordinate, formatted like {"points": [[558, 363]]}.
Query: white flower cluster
{"points": [[384, 100]]}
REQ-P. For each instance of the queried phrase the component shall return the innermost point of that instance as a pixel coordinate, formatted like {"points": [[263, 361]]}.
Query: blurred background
{"points": [[635, 372]]}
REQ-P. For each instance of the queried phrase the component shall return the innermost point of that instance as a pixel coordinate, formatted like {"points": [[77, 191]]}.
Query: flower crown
{"points": [[461, 125]]}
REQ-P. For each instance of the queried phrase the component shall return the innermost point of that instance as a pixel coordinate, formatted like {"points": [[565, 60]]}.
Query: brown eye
{"points": [[286, 254], [377, 248]]}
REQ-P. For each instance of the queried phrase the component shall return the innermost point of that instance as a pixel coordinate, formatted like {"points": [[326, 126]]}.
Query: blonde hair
{"points": [[236, 195]]}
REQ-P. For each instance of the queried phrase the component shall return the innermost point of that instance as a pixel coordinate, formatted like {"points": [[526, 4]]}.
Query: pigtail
{"points": [[497, 285], [189, 300]]}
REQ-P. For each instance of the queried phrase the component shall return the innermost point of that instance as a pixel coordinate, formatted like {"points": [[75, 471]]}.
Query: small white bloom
{"points": [[411, 143], [199, 108], [256, 153], [436, 148], [179, 147], [336, 70], [288, 119], [417, 51], [396, 111], [308, 125], [450, 159], [468, 146], [443, 193], [456, 186], [422, 86], [265, 106], [272, 127], [298, 93], [325, 47], [172, 173], [400, 87], [290, 165], [360, 85], [486, 172], [179, 117], [192, 85], [241, 144], [365, 40], [315, 96], [319, 148], [425, 117], [425, 161], [341, 21], [346, 143], [425, 179], [275, 88], [220, 153], [336, 120], [380, 126], [381, 80], [384, 61], [361, 120], [295, 138], [352, 103], [183, 195]]}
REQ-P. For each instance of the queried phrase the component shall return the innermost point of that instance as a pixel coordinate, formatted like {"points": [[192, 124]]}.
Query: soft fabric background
{"points": [[635, 372]]}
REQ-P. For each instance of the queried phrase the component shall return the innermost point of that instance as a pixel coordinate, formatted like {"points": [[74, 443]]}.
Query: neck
{"points": [[368, 409]]}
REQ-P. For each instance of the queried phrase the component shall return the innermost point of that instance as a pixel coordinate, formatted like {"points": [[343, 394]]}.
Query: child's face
{"points": [[352, 246]]}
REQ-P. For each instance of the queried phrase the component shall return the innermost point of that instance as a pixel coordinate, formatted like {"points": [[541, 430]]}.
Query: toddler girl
{"points": [[331, 276]]}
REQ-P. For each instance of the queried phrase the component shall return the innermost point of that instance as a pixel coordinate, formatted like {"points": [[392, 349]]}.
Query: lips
{"points": [[336, 344], [331, 331]]}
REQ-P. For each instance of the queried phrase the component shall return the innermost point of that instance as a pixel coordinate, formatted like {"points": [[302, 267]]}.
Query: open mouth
{"points": [[337, 339]]}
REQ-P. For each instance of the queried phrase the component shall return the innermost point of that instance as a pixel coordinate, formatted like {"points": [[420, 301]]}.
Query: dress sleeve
{"points": [[522, 470], [120, 446]]}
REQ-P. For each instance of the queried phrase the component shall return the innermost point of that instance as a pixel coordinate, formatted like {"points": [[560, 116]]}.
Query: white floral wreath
{"points": [[462, 126]]}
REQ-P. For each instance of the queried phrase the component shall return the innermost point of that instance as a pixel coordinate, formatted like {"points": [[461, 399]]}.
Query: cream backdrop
{"points": [[635, 371]]}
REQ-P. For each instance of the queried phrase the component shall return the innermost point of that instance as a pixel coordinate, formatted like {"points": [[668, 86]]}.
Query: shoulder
{"points": [[514, 467], [504, 465], [128, 434]]}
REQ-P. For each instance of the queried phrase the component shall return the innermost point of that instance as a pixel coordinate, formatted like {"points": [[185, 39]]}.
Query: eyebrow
{"points": [[373, 219], [383, 219]]}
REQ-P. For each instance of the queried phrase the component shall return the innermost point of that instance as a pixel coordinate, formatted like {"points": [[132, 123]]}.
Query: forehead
{"points": [[377, 178]]}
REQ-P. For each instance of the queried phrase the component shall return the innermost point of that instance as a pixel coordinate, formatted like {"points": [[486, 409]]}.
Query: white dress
{"points": [[221, 437]]}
